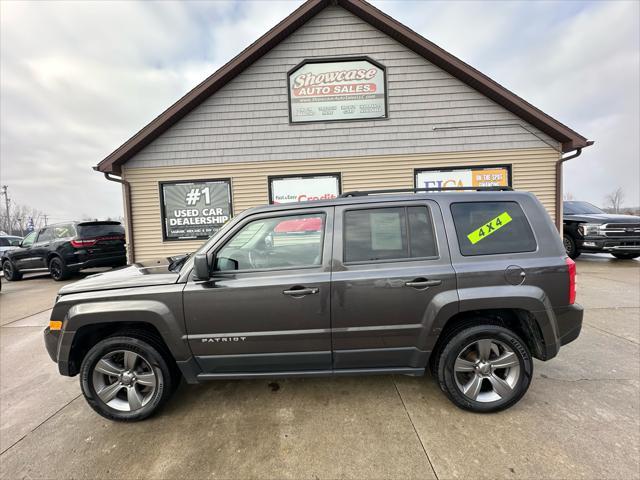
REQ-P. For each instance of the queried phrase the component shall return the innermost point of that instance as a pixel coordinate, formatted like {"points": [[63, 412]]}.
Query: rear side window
{"points": [[392, 233], [100, 230], [489, 228], [63, 231]]}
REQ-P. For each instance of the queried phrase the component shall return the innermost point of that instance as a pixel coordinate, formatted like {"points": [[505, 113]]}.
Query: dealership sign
{"points": [[348, 89], [303, 189], [498, 176], [194, 209]]}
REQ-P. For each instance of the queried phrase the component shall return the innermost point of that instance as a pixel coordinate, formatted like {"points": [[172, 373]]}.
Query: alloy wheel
{"points": [[7, 269], [55, 268], [487, 371], [124, 380]]}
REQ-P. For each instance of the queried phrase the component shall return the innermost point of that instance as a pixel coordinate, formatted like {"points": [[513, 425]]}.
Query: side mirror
{"points": [[201, 267]]}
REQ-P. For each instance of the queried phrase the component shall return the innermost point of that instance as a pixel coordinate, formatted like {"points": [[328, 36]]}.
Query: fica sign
{"points": [[330, 90]]}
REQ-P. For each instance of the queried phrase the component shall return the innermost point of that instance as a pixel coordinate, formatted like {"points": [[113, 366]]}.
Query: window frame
{"points": [[524, 213], [249, 220], [404, 206]]}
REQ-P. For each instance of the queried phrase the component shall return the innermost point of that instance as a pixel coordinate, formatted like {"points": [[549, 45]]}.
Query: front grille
{"points": [[621, 230]]}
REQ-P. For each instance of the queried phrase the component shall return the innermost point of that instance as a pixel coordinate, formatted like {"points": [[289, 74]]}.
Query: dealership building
{"points": [[337, 97]]}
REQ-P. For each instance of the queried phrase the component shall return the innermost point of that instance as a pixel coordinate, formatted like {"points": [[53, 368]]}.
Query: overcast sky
{"points": [[79, 78]]}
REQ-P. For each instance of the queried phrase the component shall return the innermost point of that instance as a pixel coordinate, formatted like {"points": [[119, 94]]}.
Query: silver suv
{"points": [[470, 286]]}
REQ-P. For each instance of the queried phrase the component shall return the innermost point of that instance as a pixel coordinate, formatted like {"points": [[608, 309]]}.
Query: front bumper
{"points": [[609, 244], [52, 342]]}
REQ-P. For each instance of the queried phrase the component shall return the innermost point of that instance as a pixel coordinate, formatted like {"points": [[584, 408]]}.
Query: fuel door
{"points": [[514, 275]]}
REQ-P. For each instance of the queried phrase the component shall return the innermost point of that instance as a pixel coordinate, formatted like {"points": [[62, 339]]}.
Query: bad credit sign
{"points": [[339, 90], [304, 189]]}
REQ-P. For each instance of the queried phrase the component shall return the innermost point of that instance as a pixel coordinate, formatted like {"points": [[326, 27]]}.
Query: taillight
{"points": [[88, 242], [572, 280]]}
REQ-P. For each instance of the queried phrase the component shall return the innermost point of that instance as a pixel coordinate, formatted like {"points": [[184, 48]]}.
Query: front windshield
{"points": [[580, 208]]}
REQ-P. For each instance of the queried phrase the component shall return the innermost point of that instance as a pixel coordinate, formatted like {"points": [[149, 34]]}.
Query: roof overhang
{"points": [[568, 138]]}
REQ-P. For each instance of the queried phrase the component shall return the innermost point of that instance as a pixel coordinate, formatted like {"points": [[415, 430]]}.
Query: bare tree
{"points": [[614, 200], [16, 220]]}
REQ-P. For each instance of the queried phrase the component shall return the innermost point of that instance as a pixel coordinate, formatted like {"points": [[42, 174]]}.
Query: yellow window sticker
{"points": [[489, 227]]}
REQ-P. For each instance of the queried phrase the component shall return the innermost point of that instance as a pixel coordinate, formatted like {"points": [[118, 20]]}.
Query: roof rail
{"points": [[357, 193]]}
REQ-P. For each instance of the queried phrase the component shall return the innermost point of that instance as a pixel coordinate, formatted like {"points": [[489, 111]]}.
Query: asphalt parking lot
{"points": [[580, 418]]}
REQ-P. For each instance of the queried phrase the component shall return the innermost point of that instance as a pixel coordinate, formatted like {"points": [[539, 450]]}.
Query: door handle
{"points": [[300, 292], [422, 283]]}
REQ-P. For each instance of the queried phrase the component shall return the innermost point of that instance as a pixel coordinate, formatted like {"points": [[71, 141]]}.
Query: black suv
{"points": [[66, 248], [469, 286], [589, 229]]}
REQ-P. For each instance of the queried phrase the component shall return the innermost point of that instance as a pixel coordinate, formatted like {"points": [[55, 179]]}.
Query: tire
{"points": [[58, 269], [626, 256], [570, 246], [148, 363], [11, 273], [488, 389]]}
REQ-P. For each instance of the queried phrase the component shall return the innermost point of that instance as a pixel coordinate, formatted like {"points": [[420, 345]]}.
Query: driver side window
{"points": [[29, 239], [279, 242]]}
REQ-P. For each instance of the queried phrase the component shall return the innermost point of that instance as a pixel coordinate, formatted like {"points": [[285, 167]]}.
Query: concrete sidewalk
{"points": [[580, 418]]}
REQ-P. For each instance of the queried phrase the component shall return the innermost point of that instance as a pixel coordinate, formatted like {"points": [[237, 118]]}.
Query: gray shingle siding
{"points": [[248, 119]]}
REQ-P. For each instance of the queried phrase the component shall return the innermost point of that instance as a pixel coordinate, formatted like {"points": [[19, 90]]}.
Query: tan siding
{"points": [[533, 170]]}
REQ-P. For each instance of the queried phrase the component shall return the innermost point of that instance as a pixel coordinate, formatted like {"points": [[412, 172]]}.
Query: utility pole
{"points": [[45, 219], [6, 203]]}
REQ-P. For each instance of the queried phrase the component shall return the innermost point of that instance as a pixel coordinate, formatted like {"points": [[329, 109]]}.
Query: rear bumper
{"points": [[569, 322], [86, 261]]}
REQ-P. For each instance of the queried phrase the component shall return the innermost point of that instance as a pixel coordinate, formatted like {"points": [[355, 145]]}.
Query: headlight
{"points": [[588, 229]]}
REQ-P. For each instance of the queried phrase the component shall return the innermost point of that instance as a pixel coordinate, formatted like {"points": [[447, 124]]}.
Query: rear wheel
{"points": [[10, 271], [58, 269], [126, 379], [485, 368], [570, 246], [625, 256]]}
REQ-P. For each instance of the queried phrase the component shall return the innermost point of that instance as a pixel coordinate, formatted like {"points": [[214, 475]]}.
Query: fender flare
{"points": [[528, 298], [152, 312]]}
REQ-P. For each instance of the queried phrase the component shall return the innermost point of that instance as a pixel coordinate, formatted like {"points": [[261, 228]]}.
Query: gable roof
{"points": [[569, 139]]}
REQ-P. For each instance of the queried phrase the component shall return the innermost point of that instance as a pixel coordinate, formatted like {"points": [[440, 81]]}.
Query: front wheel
{"points": [[486, 368], [570, 246], [126, 379], [626, 256], [10, 271]]}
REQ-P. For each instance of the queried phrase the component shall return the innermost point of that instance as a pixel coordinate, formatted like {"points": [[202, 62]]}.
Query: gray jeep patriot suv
{"points": [[470, 286]]}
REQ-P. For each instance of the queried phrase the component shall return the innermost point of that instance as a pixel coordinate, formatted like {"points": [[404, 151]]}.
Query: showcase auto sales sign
{"points": [[344, 90]]}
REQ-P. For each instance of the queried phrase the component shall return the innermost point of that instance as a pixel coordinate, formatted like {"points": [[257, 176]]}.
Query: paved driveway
{"points": [[580, 418]]}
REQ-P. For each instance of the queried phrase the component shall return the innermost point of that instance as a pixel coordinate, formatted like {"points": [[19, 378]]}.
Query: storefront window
{"points": [[194, 209]]}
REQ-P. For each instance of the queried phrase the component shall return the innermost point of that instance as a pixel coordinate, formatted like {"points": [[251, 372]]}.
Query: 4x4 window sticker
{"points": [[489, 227]]}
